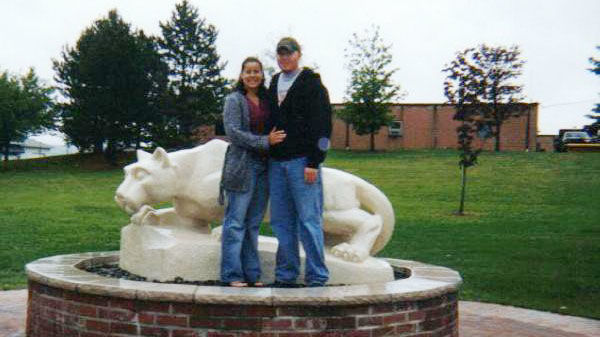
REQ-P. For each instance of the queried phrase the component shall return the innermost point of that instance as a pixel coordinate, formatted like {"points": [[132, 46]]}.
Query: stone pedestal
{"points": [[65, 300], [164, 253]]}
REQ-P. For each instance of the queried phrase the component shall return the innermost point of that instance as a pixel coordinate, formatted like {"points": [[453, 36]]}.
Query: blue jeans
{"points": [[243, 215], [297, 215]]}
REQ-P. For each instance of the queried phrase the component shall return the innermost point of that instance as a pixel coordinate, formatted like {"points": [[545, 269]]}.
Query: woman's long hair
{"points": [[239, 86]]}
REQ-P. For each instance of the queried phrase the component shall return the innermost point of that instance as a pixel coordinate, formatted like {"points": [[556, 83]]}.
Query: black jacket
{"points": [[305, 116]]}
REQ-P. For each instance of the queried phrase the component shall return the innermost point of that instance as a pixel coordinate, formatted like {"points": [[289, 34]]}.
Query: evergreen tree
{"points": [[371, 88], [196, 87], [486, 75], [113, 80], [26, 108]]}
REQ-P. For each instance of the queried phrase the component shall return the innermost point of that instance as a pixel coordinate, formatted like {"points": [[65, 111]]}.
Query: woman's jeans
{"points": [[296, 215], [243, 215]]}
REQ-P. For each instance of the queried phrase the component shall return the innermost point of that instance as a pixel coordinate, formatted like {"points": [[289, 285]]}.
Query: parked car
{"points": [[576, 137], [571, 137]]}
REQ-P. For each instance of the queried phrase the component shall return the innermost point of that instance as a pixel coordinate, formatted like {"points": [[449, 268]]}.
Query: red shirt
{"points": [[259, 113]]}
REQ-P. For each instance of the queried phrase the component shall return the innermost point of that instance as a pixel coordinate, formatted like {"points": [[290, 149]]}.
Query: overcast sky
{"points": [[556, 38]]}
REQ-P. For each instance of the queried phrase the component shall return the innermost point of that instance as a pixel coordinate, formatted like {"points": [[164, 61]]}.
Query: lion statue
{"points": [[358, 217]]}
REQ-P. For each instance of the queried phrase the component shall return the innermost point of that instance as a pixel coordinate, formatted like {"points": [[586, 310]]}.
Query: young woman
{"points": [[244, 179]]}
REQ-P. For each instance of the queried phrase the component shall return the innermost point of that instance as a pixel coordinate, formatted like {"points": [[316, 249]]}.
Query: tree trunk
{"points": [[347, 136], [110, 154], [461, 207], [5, 147], [99, 147], [372, 146], [497, 142]]}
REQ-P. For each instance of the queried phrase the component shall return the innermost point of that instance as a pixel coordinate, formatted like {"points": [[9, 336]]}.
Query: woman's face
{"points": [[252, 75]]}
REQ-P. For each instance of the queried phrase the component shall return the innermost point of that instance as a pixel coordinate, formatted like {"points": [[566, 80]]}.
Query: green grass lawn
{"points": [[531, 236]]}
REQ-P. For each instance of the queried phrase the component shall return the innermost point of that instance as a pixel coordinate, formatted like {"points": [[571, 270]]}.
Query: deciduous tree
{"points": [[478, 86], [486, 77], [595, 126], [371, 88], [26, 108]]}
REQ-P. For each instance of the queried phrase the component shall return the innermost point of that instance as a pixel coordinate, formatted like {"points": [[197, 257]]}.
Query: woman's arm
{"points": [[232, 121]]}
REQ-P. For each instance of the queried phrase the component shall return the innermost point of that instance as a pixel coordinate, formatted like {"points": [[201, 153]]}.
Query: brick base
{"points": [[54, 312]]}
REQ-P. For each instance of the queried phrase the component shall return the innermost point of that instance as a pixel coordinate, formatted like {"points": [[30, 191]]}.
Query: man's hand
{"points": [[310, 175]]}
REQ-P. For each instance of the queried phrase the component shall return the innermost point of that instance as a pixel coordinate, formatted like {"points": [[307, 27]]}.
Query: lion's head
{"points": [[150, 180]]}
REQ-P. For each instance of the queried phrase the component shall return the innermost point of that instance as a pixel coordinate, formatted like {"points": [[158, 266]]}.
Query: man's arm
{"points": [[319, 124]]}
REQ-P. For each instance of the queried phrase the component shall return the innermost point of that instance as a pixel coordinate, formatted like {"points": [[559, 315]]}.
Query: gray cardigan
{"points": [[244, 144]]}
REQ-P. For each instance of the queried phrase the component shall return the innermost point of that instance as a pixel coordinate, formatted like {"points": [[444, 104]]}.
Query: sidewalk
{"points": [[483, 319], [13, 308], [476, 320]]}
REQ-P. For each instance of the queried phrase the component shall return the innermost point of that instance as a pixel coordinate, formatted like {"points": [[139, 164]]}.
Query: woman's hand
{"points": [[276, 136]]}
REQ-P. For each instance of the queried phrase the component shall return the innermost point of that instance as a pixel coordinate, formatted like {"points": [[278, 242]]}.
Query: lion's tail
{"points": [[373, 200]]}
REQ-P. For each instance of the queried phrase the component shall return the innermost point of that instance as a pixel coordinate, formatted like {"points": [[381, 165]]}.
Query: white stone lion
{"points": [[358, 217]]}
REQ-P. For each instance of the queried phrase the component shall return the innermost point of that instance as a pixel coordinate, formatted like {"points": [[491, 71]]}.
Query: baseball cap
{"points": [[288, 44]]}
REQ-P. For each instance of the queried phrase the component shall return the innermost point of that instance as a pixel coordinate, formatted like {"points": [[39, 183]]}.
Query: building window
{"points": [[396, 129]]}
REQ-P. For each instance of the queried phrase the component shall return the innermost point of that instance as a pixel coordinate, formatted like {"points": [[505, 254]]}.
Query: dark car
{"points": [[572, 136]]}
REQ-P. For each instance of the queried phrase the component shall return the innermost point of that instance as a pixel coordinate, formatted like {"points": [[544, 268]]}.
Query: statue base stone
{"points": [[164, 253], [66, 300]]}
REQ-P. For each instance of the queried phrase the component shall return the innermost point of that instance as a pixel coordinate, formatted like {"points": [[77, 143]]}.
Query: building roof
{"points": [[30, 143], [429, 104]]}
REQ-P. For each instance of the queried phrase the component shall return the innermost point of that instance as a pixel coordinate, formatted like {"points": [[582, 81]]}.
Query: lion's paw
{"points": [[349, 252], [151, 219], [217, 232], [139, 217]]}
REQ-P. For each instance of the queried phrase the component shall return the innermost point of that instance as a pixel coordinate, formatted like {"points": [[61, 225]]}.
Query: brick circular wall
{"points": [[59, 309]]}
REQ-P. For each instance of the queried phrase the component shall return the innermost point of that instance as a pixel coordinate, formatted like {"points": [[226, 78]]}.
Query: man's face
{"points": [[287, 61]]}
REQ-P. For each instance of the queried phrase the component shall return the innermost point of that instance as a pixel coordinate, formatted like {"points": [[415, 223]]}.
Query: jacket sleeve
{"points": [[272, 102], [319, 122], [232, 121]]}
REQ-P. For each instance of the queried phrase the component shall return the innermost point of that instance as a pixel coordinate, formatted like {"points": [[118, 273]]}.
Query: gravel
{"points": [[113, 270]]}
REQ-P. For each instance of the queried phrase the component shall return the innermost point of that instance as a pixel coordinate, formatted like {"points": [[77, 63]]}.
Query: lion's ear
{"points": [[141, 155], [162, 157]]}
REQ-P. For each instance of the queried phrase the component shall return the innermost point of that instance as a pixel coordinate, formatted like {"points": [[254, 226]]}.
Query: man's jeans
{"points": [[243, 215], [296, 214]]}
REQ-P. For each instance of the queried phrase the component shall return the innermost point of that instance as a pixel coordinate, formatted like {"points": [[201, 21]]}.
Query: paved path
{"points": [[482, 319], [476, 320], [13, 307]]}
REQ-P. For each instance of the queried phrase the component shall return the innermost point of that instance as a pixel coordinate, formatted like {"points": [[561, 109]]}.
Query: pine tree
{"points": [[113, 80], [196, 87]]}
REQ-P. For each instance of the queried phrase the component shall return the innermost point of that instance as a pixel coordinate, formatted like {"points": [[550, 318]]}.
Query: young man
{"points": [[300, 107]]}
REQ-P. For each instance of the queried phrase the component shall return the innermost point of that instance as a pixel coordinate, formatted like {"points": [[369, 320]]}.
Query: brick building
{"points": [[430, 126], [420, 126], [545, 143]]}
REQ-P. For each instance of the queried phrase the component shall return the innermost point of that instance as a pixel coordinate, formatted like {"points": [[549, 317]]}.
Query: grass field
{"points": [[531, 236]]}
